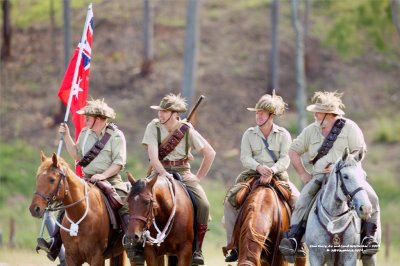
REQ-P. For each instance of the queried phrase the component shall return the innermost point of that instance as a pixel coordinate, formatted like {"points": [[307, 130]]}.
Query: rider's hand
{"points": [[97, 177], [265, 179], [166, 174], [264, 170], [63, 129]]}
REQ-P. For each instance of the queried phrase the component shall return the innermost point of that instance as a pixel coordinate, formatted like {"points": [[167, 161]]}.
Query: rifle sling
{"points": [[97, 147], [329, 140]]}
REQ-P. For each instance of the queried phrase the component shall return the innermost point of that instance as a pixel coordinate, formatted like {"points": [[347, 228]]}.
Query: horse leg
{"points": [[185, 256], [300, 261], [118, 260]]}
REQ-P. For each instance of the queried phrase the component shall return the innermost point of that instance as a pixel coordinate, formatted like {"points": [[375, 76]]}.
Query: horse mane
{"points": [[247, 215]]}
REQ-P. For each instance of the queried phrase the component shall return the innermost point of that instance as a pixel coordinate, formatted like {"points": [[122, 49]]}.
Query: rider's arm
{"points": [[298, 165], [208, 158], [69, 143]]}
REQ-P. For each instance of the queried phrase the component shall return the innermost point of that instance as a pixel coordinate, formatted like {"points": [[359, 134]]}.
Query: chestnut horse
{"points": [[259, 227], [161, 218], [84, 206]]}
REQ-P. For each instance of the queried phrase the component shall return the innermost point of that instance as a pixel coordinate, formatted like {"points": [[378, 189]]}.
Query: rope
{"points": [[161, 235], [74, 228]]}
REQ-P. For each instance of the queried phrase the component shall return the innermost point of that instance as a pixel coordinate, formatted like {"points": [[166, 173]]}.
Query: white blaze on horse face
{"points": [[136, 197]]}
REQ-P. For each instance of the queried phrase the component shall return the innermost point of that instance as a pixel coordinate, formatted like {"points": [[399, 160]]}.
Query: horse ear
{"points": [[345, 154], [42, 156], [55, 160], [360, 154], [152, 180], [131, 179]]}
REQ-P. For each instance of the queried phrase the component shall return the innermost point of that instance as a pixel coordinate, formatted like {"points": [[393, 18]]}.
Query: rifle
{"points": [[190, 116]]}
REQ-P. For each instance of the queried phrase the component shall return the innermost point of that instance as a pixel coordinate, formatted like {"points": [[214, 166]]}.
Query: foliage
{"points": [[24, 13], [387, 130], [356, 24], [17, 168]]}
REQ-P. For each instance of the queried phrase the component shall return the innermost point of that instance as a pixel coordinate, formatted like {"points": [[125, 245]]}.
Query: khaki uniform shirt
{"points": [[311, 139], [254, 152], [196, 141], [114, 152]]}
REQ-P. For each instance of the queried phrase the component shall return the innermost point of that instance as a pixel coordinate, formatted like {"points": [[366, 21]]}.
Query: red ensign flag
{"points": [[75, 85]]}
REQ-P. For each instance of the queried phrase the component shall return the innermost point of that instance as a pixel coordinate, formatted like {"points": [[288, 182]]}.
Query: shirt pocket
{"points": [[256, 146], [315, 144]]}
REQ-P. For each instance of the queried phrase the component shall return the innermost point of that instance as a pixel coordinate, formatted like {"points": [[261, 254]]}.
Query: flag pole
{"points": [[74, 83]]}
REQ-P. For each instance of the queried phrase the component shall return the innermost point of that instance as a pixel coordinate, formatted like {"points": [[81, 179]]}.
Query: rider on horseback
{"points": [[264, 152], [324, 141], [105, 167], [177, 158]]}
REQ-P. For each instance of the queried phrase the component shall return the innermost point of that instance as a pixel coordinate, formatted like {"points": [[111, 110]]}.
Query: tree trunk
{"points": [[6, 45], [395, 14], [191, 48], [148, 26], [299, 62], [273, 83]]}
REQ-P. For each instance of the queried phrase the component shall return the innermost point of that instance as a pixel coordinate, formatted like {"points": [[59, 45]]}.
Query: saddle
{"points": [[239, 192]]}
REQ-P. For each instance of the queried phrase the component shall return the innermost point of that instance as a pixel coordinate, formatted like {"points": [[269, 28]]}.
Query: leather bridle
{"points": [[53, 195]]}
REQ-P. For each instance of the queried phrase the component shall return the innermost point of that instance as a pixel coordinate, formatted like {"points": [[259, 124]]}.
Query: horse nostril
{"points": [[137, 238], [37, 209]]}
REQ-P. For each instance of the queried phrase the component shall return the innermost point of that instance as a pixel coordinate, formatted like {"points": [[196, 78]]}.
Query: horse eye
{"points": [[52, 181], [147, 202], [346, 177]]}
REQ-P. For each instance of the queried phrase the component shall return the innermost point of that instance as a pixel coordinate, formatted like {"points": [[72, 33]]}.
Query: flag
{"points": [[75, 85]]}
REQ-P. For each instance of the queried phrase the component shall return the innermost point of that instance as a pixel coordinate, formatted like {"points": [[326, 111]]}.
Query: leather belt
{"points": [[174, 163]]}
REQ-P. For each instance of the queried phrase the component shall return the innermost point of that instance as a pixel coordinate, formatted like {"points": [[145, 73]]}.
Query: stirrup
{"points": [[370, 246], [198, 258], [286, 248], [43, 244]]}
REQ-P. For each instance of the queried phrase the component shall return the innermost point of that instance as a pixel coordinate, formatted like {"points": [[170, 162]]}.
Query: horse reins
{"points": [[150, 218]]}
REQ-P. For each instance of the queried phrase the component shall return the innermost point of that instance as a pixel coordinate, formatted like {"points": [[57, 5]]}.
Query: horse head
{"points": [[141, 209], [51, 185], [350, 176]]}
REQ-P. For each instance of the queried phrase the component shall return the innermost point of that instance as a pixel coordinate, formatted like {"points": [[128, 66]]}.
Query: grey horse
{"points": [[334, 224]]}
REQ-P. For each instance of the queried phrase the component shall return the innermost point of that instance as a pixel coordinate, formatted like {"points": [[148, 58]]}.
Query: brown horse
{"points": [[161, 217], [259, 227], [84, 206]]}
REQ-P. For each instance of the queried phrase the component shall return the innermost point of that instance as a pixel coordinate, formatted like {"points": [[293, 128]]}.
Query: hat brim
{"points": [[156, 107], [316, 109], [254, 109]]}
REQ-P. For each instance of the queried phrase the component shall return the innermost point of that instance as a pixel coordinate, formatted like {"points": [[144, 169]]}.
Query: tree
{"points": [[274, 54], [148, 55], [299, 62], [191, 48], [6, 45]]}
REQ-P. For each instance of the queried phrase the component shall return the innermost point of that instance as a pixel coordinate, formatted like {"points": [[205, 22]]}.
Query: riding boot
{"points": [[369, 244], [197, 257], [233, 256], [291, 242], [111, 193]]}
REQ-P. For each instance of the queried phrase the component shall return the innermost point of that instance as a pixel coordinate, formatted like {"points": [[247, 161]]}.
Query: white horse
{"points": [[334, 224]]}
